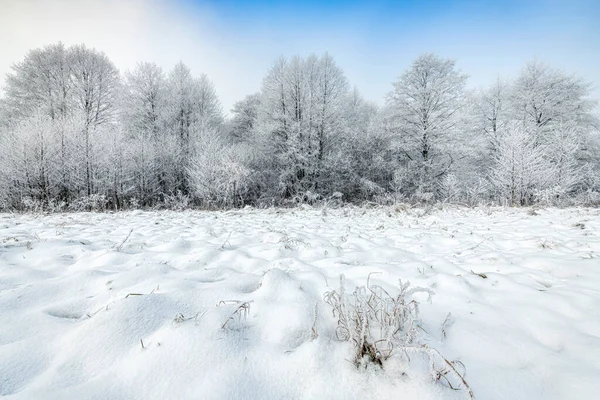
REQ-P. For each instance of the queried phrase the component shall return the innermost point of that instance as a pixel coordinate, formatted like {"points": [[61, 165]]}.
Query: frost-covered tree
{"points": [[425, 102], [73, 135], [492, 111], [144, 114], [144, 99], [95, 85], [115, 171], [563, 149], [31, 159], [449, 188], [557, 110], [67, 144], [193, 110], [356, 166], [191, 102], [17, 162], [243, 118], [40, 83], [209, 113], [544, 97], [181, 102], [520, 166], [219, 172], [300, 118]]}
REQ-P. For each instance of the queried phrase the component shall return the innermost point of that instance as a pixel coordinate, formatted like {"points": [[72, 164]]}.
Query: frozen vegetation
{"points": [[77, 134], [239, 304]]}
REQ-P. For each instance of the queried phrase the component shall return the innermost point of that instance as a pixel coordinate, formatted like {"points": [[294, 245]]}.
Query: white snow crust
{"points": [[128, 305]]}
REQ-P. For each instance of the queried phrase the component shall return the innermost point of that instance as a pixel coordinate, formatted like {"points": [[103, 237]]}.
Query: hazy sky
{"points": [[236, 41]]}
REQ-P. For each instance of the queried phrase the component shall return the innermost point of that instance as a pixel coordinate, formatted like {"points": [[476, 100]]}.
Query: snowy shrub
{"points": [[93, 202], [387, 199], [400, 180], [374, 321], [424, 197], [307, 197], [54, 206], [370, 188], [550, 196], [449, 188], [476, 192], [134, 203], [334, 201], [589, 197], [177, 201], [380, 325], [520, 166], [266, 201], [33, 205], [219, 173]]}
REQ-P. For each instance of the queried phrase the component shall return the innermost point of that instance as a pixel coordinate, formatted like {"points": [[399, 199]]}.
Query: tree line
{"points": [[75, 134]]}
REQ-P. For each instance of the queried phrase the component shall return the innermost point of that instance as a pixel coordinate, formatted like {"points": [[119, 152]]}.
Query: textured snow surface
{"points": [[80, 293]]}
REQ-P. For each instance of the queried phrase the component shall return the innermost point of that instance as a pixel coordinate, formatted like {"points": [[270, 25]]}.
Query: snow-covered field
{"points": [[126, 305]]}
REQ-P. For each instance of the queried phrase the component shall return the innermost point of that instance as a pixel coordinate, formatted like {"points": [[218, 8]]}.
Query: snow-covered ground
{"points": [[81, 293]]}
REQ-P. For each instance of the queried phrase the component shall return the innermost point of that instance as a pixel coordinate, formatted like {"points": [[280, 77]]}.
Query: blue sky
{"points": [[374, 41], [236, 41]]}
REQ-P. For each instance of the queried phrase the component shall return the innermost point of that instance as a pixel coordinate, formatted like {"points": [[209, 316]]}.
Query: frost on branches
{"points": [[75, 133]]}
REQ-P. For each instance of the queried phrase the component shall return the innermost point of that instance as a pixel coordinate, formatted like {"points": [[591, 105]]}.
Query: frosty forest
{"points": [[77, 134]]}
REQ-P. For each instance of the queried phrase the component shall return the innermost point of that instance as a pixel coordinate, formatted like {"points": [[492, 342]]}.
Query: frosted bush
{"points": [[374, 321], [449, 188], [93, 202], [550, 196], [177, 201], [30, 204], [380, 325]]}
